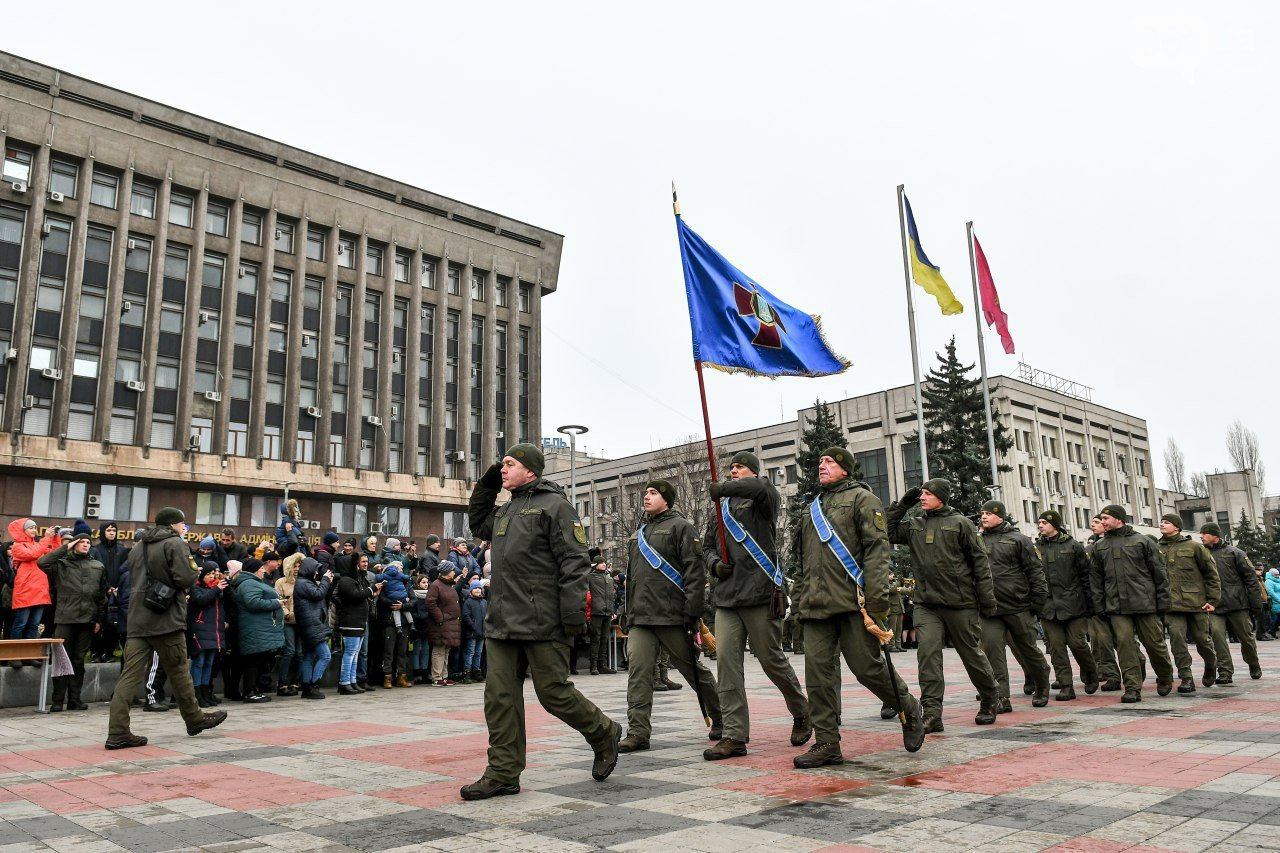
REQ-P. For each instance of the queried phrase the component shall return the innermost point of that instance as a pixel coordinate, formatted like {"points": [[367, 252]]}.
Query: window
{"points": [[428, 274], [347, 252], [501, 289], [402, 266], [86, 366], [181, 209], [526, 297], [395, 520], [477, 286], [251, 228], [263, 511], [57, 499], [455, 525], [217, 508], [142, 202], [455, 281], [123, 503], [17, 165], [348, 517], [284, 237], [105, 189], [315, 244], [63, 177], [374, 257], [873, 467], [215, 218], [237, 434]]}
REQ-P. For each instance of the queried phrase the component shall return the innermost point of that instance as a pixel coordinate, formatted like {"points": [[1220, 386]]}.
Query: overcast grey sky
{"points": [[1118, 162]]}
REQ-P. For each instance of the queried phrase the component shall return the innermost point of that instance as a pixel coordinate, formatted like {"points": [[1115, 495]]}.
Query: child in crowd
{"points": [[474, 610], [420, 653]]}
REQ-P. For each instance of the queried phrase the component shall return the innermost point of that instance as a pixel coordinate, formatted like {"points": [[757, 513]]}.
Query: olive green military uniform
{"points": [[1193, 582], [953, 588], [830, 605], [896, 612], [1065, 614], [537, 602], [1017, 577], [742, 606], [1129, 587], [661, 615], [1102, 641], [1236, 605]]}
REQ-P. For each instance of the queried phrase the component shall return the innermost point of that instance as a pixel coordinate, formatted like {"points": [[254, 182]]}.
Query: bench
{"points": [[13, 650]]}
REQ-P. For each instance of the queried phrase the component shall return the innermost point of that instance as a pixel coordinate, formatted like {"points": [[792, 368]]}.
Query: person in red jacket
{"points": [[31, 583]]}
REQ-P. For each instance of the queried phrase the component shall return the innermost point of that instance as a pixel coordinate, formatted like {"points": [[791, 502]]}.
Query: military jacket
{"points": [[753, 502], [81, 584], [951, 566], [652, 598], [602, 593], [1238, 579], [539, 561], [1017, 574], [823, 588], [1066, 570], [1127, 576], [1193, 574]]}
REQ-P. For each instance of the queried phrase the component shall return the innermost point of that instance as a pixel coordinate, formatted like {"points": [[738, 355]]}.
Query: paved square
{"points": [[382, 772]]}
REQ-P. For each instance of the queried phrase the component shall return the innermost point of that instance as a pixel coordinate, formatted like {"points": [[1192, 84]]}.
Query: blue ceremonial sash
{"points": [[743, 538], [653, 558], [832, 539]]}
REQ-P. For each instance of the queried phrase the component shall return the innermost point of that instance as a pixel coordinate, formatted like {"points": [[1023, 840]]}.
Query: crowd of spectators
{"points": [[267, 618]]}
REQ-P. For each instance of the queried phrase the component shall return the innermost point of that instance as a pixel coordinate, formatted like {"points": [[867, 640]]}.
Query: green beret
{"points": [[528, 455]]}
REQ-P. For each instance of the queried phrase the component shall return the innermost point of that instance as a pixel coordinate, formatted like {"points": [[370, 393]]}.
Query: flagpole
{"points": [[982, 361], [706, 417], [915, 354]]}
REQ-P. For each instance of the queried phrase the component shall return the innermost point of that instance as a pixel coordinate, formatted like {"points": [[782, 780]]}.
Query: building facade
{"points": [[194, 315]]}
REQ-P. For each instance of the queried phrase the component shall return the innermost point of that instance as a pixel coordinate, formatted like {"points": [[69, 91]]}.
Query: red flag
{"points": [[991, 311]]}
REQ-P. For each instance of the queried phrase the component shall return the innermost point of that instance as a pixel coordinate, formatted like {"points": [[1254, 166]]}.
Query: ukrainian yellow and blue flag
{"points": [[925, 272]]}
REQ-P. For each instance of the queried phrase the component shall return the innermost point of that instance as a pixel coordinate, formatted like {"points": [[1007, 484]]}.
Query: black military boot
{"points": [[801, 731], [1255, 672], [1091, 687], [1028, 686], [1131, 696], [987, 713], [125, 741], [671, 685], [1210, 676], [1163, 688], [1111, 685], [607, 758], [933, 723], [1223, 681], [725, 749], [819, 755], [716, 732], [631, 743], [887, 713], [1004, 706], [1187, 685], [913, 728], [484, 788], [1041, 697], [1066, 694]]}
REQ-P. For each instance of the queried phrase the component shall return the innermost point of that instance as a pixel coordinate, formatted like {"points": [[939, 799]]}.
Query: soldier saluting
{"points": [[537, 605], [842, 582], [953, 589], [666, 584], [748, 582]]}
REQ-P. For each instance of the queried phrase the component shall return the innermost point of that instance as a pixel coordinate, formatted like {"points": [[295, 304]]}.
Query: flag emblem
{"points": [[752, 304]]}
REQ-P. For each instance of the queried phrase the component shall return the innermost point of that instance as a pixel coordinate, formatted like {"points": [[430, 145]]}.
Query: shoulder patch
{"points": [[578, 533], [879, 520]]}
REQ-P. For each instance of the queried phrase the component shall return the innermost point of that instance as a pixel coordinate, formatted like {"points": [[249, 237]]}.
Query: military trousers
{"points": [[1242, 626], [895, 625], [1146, 628], [964, 626], [601, 634], [644, 643], [76, 637], [735, 625], [827, 640], [547, 664], [1197, 624], [1020, 630], [1073, 634], [171, 648]]}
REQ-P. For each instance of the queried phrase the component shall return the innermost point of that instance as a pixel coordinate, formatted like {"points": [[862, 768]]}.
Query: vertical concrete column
{"points": [[436, 463], [191, 321], [413, 352], [151, 332], [488, 378], [535, 361], [258, 381], [297, 287], [324, 374], [227, 325], [461, 470], [28, 282], [386, 347], [355, 390], [111, 316], [74, 280]]}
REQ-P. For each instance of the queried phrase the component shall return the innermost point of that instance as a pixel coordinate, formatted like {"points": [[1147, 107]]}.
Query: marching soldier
{"points": [[842, 585], [1017, 576], [1131, 591], [953, 589], [537, 605], [1236, 605], [1065, 614], [1193, 591], [666, 583], [1100, 638], [749, 588]]}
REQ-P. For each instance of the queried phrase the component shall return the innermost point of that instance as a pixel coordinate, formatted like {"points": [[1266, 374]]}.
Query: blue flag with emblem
{"points": [[739, 327]]}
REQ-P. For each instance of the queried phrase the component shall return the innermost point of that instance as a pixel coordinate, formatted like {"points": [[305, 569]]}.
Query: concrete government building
{"points": [[192, 315]]}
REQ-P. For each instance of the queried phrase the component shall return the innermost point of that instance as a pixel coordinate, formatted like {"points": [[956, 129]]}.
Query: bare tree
{"points": [[1242, 447], [1199, 485], [685, 467], [1175, 467]]}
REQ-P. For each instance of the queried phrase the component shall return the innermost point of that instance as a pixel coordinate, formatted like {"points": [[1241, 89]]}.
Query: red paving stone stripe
{"points": [[289, 735], [67, 757], [423, 796], [795, 786]]}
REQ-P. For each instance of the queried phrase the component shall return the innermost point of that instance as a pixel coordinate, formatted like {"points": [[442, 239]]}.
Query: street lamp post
{"points": [[573, 431]]}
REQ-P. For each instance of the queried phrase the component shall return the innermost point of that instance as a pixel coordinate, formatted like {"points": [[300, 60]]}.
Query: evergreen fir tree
{"points": [[820, 433], [955, 424], [1253, 541]]}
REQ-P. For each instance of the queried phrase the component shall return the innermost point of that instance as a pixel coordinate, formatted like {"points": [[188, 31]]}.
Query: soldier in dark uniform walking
{"points": [[666, 582], [537, 605], [842, 582], [1130, 589], [1065, 613], [1237, 604], [953, 590], [602, 593], [1017, 576], [1193, 593], [747, 583]]}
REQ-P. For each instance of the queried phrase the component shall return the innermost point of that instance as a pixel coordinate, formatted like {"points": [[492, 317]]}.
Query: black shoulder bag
{"points": [[159, 596]]}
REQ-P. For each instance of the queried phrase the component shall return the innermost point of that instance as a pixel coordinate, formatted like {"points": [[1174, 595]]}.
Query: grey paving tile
{"points": [[618, 790], [50, 826], [826, 821], [609, 827]]}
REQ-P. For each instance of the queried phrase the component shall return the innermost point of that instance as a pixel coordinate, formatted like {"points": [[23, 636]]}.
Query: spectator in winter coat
{"points": [[232, 547], [206, 634], [289, 531], [392, 552], [460, 556], [1272, 581], [118, 607], [209, 549], [325, 554], [474, 609], [445, 632], [420, 642], [261, 627], [31, 583], [429, 557], [112, 553], [291, 656], [82, 597], [352, 596], [370, 549], [311, 613]]}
